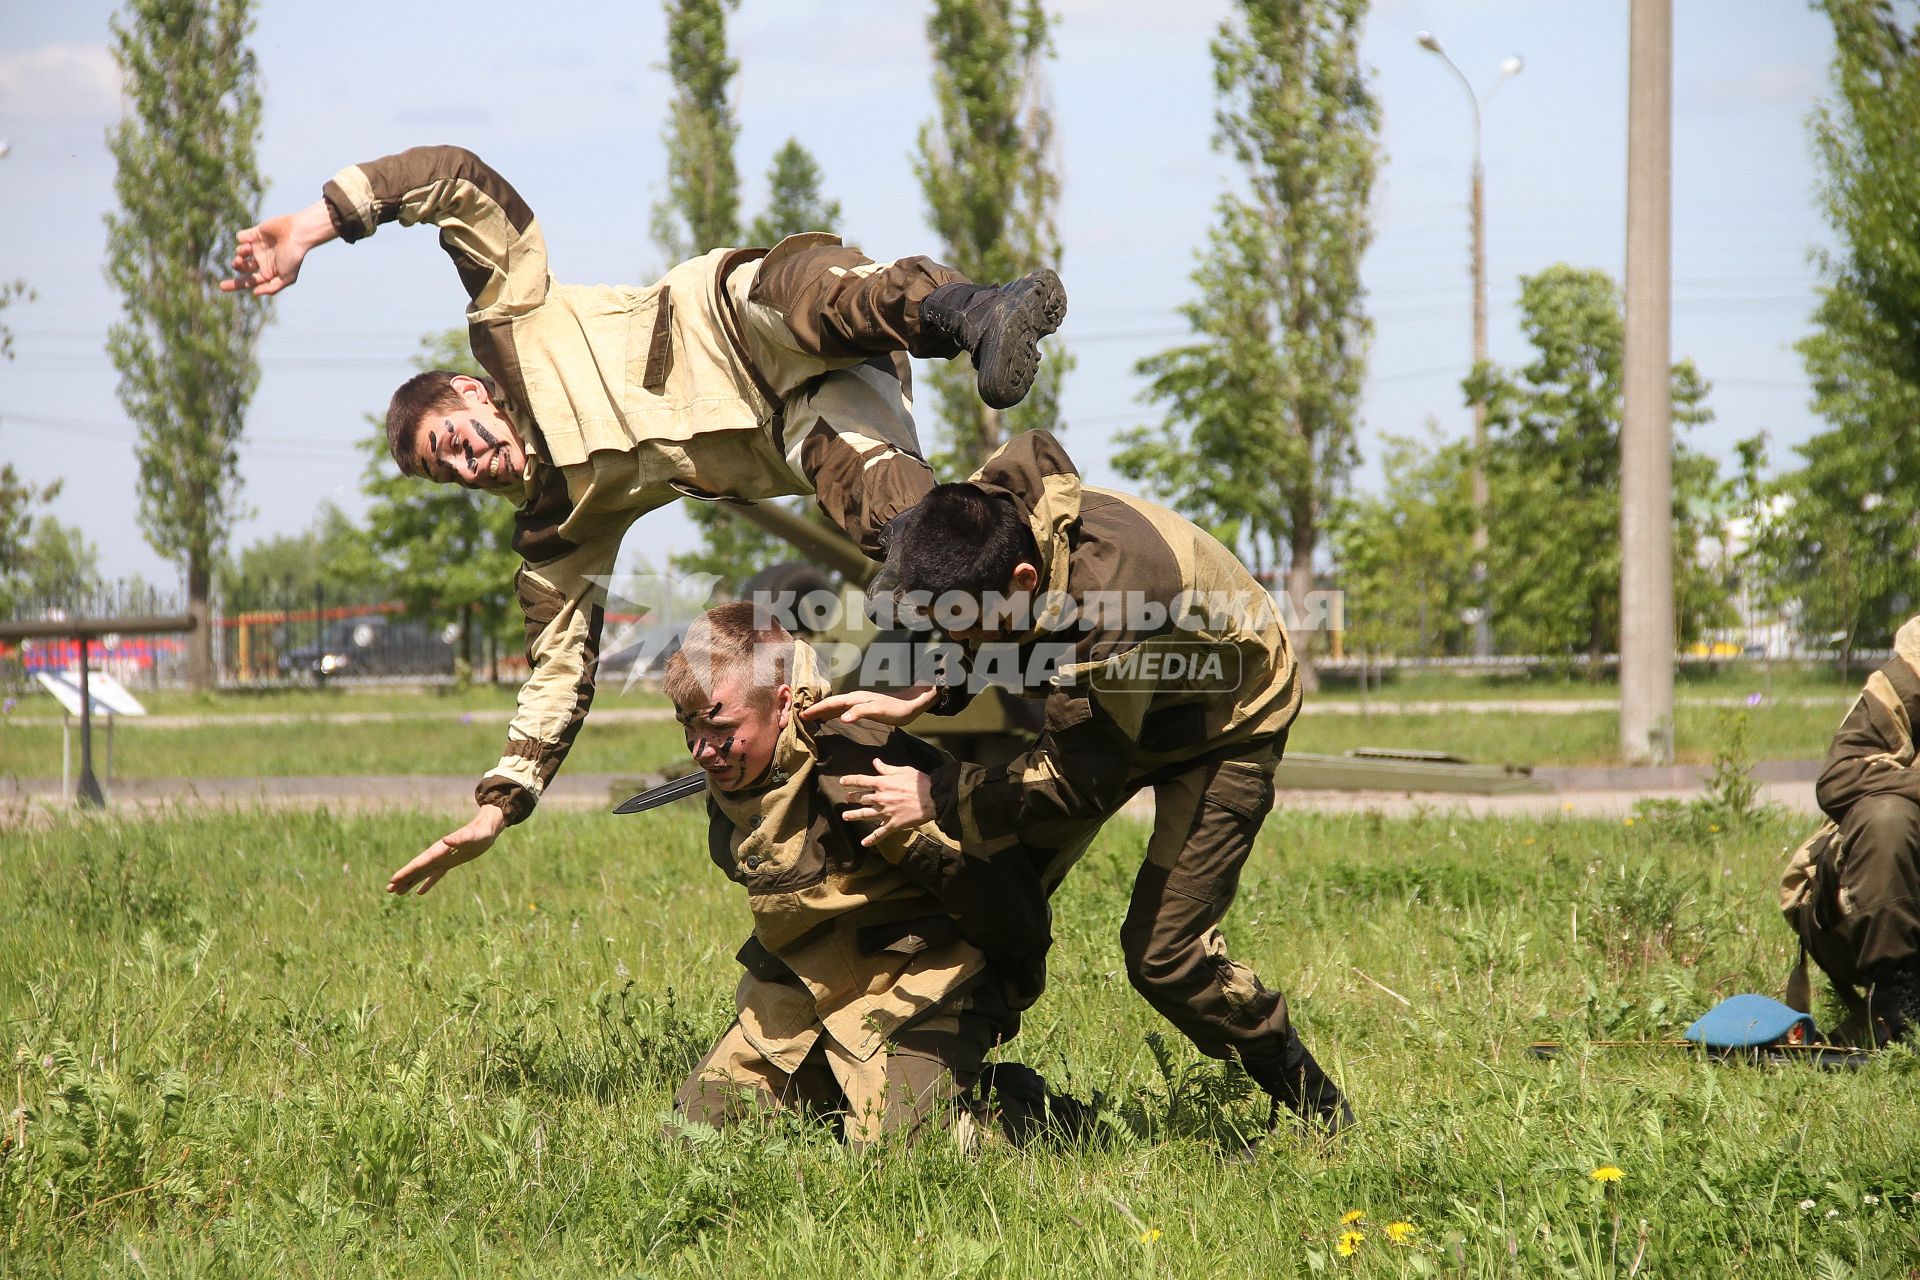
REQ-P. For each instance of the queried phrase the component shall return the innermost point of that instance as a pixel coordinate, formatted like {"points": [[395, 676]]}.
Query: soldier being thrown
{"points": [[863, 997], [745, 373], [1111, 584]]}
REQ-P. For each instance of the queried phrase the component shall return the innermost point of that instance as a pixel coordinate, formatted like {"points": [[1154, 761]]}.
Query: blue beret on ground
{"points": [[1749, 1021]]}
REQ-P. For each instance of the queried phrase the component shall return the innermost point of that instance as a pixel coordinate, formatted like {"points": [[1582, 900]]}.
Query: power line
{"points": [[297, 448]]}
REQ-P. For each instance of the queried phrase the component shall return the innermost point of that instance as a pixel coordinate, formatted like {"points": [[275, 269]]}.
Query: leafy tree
{"points": [[1404, 568], [186, 176], [333, 558], [1851, 535], [701, 210], [443, 550], [1262, 404], [1554, 474], [794, 201], [987, 168], [42, 561]]}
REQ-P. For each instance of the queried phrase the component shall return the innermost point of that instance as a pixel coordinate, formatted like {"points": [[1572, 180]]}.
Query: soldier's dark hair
{"points": [[964, 539], [422, 394]]}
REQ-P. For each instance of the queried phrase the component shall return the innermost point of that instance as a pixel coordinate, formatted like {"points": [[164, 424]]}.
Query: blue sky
{"points": [[569, 105]]}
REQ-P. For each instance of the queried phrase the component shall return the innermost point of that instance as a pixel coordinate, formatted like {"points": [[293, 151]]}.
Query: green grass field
{"points": [[444, 744], [235, 1057]]}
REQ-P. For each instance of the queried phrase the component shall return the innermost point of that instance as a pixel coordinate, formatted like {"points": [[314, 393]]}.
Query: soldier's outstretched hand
{"points": [[267, 257], [449, 851], [870, 704]]}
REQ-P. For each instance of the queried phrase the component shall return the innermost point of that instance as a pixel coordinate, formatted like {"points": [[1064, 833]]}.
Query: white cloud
{"points": [[59, 82], [1792, 83]]}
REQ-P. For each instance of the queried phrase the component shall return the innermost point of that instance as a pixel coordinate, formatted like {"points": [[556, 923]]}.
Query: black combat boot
{"points": [[1895, 1001], [1001, 325], [1295, 1078]]}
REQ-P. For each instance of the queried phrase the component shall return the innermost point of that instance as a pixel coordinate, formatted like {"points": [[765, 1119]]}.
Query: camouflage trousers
{"points": [[1874, 915], [923, 1080], [827, 332], [1204, 826]]}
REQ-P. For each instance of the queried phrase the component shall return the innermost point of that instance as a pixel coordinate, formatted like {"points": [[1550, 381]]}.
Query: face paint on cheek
{"points": [[484, 434]]}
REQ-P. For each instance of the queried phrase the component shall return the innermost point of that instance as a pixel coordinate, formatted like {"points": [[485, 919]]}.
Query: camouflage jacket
{"points": [[1873, 753], [1158, 647], [847, 941], [626, 398]]}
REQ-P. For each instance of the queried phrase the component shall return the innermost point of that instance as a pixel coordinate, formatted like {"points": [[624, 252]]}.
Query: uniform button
{"points": [[753, 823], [753, 861]]}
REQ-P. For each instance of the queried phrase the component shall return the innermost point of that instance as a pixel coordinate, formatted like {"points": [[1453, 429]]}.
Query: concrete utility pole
{"points": [[1482, 605], [1646, 437]]}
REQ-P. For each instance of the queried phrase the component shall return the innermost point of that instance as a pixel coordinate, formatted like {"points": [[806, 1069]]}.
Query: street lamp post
{"points": [[1510, 66]]}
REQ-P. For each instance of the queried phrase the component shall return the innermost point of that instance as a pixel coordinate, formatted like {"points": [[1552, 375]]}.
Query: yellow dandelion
{"points": [[1629, 821], [1349, 1241], [1528, 840], [1713, 826], [1606, 1173], [1566, 806], [1352, 1216], [1401, 1232], [533, 906], [1149, 1235]]}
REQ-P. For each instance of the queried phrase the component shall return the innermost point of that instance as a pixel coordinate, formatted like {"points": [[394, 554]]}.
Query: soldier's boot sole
{"points": [[1007, 356]]}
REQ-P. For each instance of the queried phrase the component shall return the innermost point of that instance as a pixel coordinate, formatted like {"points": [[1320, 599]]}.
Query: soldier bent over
{"points": [[1164, 666]]}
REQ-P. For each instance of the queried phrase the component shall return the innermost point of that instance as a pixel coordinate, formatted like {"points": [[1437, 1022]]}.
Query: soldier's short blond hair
{"points": [[730, 643]]}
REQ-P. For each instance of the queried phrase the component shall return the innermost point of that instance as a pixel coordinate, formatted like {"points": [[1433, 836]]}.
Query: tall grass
{"points": [[233, 1056]]}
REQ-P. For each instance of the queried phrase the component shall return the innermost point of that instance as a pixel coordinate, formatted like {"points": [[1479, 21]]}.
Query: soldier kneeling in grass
{"points": [[1852, 891], [865, 996]]}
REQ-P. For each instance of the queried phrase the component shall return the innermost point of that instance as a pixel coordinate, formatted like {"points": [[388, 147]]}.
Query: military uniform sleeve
{"points": [[1873, 753], [1076, 770], [563, 602], [485, 227]]}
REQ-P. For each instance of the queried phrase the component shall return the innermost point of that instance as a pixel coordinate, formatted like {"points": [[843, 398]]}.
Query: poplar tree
{"points": [[795, 202], [701, 209], [1261, 406], [186, 177], [986, 165], [1850, 538]]}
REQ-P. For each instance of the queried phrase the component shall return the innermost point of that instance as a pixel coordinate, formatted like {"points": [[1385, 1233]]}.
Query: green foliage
{"points": [[988, 169], [445, 551], [333, 557], [41, 560], [11, 291], [316, 1079], [1406, 555], [185, 178], [1842, 535], [701, 209], [1262, 405], [1553, 467], [732, 549], [794, 199]]}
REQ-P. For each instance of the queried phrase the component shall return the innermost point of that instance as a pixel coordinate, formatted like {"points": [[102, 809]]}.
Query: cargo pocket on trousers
{"points": [[1239, 986], [1246, 789]]}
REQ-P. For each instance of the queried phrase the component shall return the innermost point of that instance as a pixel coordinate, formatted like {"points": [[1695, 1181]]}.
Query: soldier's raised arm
{"points": [[485, 227]]}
